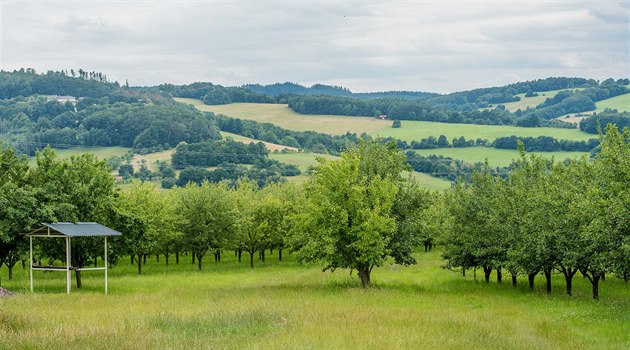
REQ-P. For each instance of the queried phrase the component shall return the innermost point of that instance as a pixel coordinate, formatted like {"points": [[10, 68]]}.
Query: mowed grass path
{"points": [[282, 305], [282, 116], [496, 157]]}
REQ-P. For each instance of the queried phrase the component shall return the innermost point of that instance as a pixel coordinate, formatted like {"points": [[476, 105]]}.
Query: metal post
{"points": [[31, 261], [105, 265], [68, 254]]}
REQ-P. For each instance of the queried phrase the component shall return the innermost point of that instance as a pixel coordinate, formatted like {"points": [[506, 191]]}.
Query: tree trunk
{"points": [[547, 273], [10, 272], [499, 275], [595, 283], [262, 255], [240, 253], [193, 258], [95, 261], [177, 258], [426, 247], [144, 259], [199, 257], [475, 272], [530, 279], [463, 272], [568, 278], [139, 264], [166, 258], [157, 257], [487, 270], [514, 279], [364, 275], [251, 259], [280, 256], [77, 274], [132, 260]]}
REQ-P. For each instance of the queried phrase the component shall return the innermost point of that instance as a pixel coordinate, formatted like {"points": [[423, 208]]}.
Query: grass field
{"points": [[529, 102], [282, 116], [416, 130], [496, 157], [283, 305], [620, 103]]}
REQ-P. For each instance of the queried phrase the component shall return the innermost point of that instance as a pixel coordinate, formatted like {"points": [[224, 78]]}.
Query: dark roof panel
{"points": [[82, 229]]}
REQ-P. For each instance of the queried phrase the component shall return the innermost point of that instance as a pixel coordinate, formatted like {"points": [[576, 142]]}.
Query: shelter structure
{"points": [[69, 230]]}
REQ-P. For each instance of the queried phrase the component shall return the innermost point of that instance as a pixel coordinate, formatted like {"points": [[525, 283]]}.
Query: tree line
{"points": [[33, 122], [543, 217], [593, 124]]}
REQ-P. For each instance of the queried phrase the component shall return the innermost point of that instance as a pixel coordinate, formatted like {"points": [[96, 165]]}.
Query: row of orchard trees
{"points": [[353, 213], [544, 217], [206, 218]]}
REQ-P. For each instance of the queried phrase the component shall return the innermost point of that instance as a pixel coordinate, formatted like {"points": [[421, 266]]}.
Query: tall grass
{"points": [[286, 305]]}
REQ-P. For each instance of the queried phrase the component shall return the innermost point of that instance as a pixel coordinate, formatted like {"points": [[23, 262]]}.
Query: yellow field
{"points": [[270, 146], [282, 116]]}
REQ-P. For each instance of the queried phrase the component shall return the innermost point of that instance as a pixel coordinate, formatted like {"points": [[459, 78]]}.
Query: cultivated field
{"points": [[282, 305], [496, 157], [282, 116]]}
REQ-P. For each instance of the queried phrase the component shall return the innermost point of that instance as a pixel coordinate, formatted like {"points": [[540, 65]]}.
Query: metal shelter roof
{"points": [[70, 229]]}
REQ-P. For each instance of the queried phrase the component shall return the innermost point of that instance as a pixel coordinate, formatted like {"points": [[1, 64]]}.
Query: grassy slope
{"points": [[281, 115], [284, 117], [529, 102], [416, 130], [620, 103], [285, 305], [496, 157]]}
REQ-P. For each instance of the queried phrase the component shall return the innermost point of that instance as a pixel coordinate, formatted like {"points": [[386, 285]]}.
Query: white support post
{"points": [[105, 265], [31, 261], [68, 254]]}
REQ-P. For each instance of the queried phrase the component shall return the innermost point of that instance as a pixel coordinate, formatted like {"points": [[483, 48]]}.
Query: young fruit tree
{"points": [[347, 220]]}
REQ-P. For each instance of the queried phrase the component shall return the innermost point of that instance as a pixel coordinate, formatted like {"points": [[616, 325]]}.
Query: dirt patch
{"points": [[5, 293]]}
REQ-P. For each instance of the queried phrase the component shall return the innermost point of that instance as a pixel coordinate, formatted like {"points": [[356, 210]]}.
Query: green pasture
{"points": [[270, 146], [283, 305], [620, 103], [282, 116], [416, 130], [496, 157], [529, 102], [430, 182], [302, 159]]}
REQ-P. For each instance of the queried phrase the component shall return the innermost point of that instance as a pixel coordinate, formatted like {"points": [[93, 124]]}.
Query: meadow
{"points": [[496, 157], [529, 102], [100, 152], [416, 130], [287, 305], [282, 116]]}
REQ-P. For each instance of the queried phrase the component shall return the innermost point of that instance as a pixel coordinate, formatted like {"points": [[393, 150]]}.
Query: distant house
{"points": [[61, 99], [382, 116]]}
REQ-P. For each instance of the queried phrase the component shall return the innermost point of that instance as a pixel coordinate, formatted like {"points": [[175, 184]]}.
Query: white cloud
{"points": [[424, 45]]}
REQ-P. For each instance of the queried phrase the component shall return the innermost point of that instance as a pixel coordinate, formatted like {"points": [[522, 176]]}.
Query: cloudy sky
{"points": [[438, 46]]}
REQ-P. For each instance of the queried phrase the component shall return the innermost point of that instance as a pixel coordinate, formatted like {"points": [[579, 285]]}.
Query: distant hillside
{"points": [[279, 89]]}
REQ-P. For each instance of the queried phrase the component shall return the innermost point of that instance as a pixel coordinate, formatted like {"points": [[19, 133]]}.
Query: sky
{"points": [[435, 46]]}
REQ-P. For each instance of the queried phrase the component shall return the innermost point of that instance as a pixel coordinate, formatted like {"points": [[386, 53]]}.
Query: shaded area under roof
{"points": [[70, 229]]}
